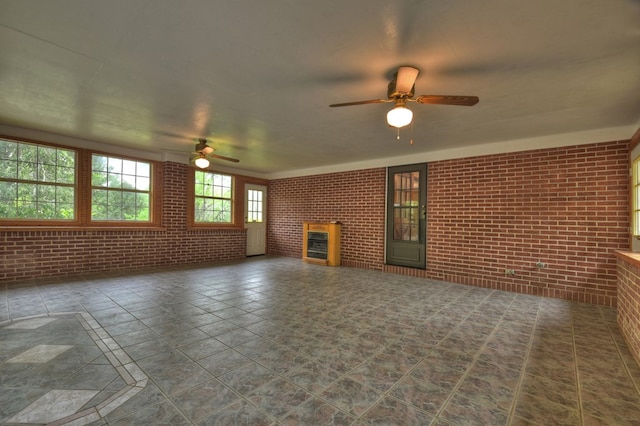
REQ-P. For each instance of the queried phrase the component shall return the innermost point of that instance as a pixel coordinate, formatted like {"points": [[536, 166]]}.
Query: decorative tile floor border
{"points": [[131, 374]]}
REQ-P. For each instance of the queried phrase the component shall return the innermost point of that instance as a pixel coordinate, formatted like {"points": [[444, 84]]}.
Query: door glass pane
{"points": [[405, 210], [254, 206]]}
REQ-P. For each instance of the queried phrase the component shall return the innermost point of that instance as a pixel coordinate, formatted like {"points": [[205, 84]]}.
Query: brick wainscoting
{"points": [[565, 207], [629, 300], [30, 254]]}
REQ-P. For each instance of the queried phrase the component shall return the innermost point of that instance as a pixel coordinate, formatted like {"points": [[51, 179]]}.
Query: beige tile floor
{"points": [[275, 341]]}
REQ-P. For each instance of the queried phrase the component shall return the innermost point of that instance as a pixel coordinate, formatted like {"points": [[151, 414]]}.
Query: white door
{"points": [[255, 202]]}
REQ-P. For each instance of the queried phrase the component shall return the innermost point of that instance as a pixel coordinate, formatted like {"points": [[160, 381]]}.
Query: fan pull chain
{"points": [[411, 141], [398, 129]]}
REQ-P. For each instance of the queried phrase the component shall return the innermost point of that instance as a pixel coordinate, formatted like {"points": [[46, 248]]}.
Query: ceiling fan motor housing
{"points": [[393, 93]]}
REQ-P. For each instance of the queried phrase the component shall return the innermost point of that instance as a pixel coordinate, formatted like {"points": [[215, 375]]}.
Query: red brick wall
{"points": [[356, 199], [567, 207], [32, 254], [629, 303]]}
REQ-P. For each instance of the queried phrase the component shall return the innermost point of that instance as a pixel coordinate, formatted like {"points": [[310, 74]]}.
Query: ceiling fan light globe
{"points": [[399, 116], [202, 162]]}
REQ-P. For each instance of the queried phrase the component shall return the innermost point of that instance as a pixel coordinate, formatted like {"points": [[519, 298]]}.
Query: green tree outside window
{"points": [[37, 182], [213, 197], [120, 189]]}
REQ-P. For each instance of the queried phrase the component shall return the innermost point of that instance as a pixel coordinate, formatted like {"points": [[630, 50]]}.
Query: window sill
{"points": [[629, 257], [215, 228], [49, 228]]}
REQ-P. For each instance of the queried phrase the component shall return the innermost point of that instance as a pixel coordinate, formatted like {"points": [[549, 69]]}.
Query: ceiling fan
{"points": [[401, 90], [203, 150]]}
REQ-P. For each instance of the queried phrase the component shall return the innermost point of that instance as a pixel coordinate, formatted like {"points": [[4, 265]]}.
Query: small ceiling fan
{"points": [[401, 90], [203, 150]]}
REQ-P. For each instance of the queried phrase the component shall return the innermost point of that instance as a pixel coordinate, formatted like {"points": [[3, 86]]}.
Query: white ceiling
{"points": [[256, 77]]}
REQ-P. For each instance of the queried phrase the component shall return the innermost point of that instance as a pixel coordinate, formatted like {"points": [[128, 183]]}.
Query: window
{"points": [[635, 197], [42, 184], [120, 189], [254, 206], [213, 198], [37, 182]]}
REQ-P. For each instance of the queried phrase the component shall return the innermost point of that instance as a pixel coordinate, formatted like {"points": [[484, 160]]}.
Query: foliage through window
{"points": [[213, 198], [42, 184], [635, 197], [37, 182], [120, 189]]}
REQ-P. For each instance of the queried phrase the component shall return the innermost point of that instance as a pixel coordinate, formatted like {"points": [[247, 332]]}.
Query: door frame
{"points": [[399, 253]]}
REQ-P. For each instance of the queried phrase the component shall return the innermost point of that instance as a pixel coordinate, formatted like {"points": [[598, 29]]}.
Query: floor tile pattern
{"points": [[275, 341], [90, 376]]}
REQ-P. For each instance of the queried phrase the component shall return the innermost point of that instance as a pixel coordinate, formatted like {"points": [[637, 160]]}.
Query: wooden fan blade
{"points": [[448, 100], [222, 157], [406, 79], [372, 101]]}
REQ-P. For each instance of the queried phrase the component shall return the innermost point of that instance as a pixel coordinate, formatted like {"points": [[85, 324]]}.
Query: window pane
{"points": [[26, 210], [99, 178], [397, 231], [213, 198], [143, 183], [8, 199], [199, 189], [27, 153], [8, 191], [128, 182], [114, 205], [65, 202], [114, 165], [47, 173], [47, 210], [415, 180], [414, 197], [27, 171], [635, 198], [31, 176], [27, 192], [129, 205], [9, 210], [114, 180], [254, 205], [98, 204], [8, 169], [142, 207], [47, 156], [129, 167], [128, 197], [99, 163], [66, 158], [143, 169], [8, 150], [64, 211], [46, 193], [66, 175]]}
